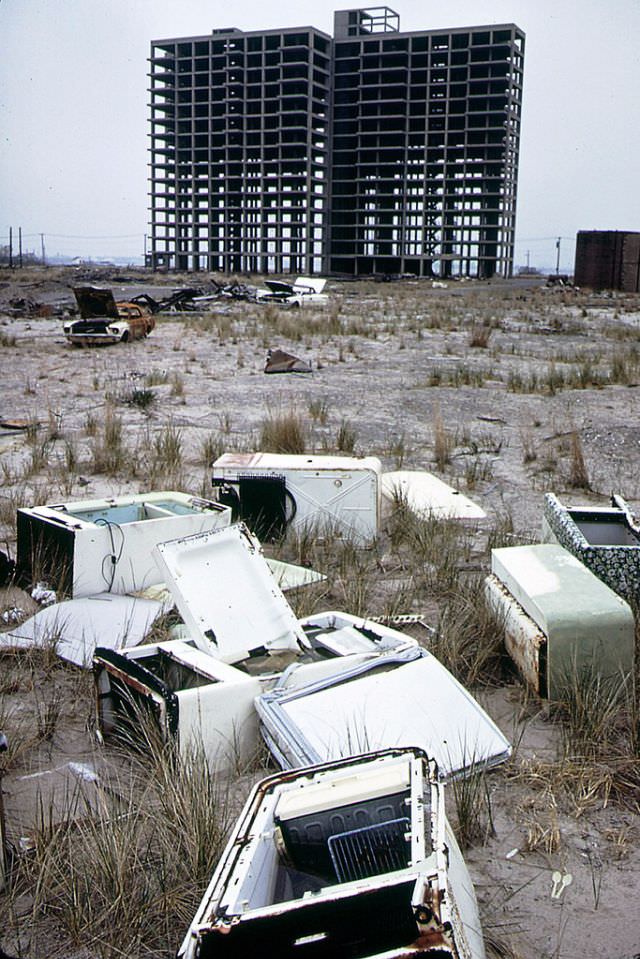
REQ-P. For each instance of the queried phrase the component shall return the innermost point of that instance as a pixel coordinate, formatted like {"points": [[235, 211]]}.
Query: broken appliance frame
{"points": [[207, 706], [605, 538], [274, 492], [89, 546], [560, 620], [313, 715], [236, 617], [350, 858]]}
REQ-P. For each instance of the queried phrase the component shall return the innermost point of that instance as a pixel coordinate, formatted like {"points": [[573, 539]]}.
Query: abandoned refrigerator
{"points": [[353, 858], [323, 495], [86, 547], [241, 642], [239, 634]]}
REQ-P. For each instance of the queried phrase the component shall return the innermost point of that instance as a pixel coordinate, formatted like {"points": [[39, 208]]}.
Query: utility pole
{"points": [[558, 255], [20, 246], [528, 258], [44, 261], [10, 247]]}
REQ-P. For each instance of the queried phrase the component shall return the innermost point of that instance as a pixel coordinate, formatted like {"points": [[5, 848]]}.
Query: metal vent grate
{"points": [[370, 851]]}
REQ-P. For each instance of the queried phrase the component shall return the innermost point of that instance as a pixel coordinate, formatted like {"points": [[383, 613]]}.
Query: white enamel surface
{"points": [[425, 494], [334, 493], [76, 627], [135, 525], [227, 595], [415, 703], [289, 576]]}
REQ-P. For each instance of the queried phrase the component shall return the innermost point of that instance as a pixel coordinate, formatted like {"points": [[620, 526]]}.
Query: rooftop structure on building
{"points": [[372, 151]]}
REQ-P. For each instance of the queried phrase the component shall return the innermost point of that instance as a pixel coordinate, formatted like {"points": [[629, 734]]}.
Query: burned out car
{"points": [[103, 321]]}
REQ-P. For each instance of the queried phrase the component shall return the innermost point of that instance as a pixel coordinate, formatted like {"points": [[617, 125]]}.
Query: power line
{"points": [[84, 236]]}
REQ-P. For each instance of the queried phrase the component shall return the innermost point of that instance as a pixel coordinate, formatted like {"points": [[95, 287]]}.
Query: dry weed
{"points": [[442, 442], [578, 473], [283, 431]]}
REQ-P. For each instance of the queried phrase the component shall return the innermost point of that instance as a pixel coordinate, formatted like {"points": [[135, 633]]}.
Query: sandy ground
{"points": [[395, 365]]}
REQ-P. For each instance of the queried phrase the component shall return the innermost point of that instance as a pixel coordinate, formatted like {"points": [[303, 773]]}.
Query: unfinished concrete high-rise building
{"points": [[375, 151]]}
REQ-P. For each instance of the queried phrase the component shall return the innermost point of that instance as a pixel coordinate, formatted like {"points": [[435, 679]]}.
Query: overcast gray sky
{"points": [[73, 114]]}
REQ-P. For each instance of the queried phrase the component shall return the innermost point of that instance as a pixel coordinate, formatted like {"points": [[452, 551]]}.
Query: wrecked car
{"points": [[352, 858], [305, 291], [104, 322]]}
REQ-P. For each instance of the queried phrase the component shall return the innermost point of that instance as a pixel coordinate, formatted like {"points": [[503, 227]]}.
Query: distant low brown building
{"points": [[608, 260]]}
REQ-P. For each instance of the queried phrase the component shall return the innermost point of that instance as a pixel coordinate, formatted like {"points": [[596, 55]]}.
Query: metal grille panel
{"points": [[370, 851]]}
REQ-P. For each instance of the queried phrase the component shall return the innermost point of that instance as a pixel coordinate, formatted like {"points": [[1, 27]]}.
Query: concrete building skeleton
{"points": [[375, 151]]}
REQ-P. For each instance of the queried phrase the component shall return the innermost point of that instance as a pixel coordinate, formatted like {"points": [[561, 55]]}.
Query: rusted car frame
{"points": [[103, 321]]}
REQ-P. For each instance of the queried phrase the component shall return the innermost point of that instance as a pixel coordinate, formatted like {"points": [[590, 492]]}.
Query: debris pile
{"points": [[349, 844]]}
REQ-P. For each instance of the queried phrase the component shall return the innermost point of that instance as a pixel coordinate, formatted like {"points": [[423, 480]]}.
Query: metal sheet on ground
{"points": [[426, 495], [396, 700], [77, 626]]}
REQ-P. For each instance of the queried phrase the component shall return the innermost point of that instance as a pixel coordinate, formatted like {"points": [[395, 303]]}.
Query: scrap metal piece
{"points": [[290, 576], [193, 696], [7, 568], [426, 495], [280, 362], [524, 640], [74, 628], [94, 302], [14, 424], [404, 619]]}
